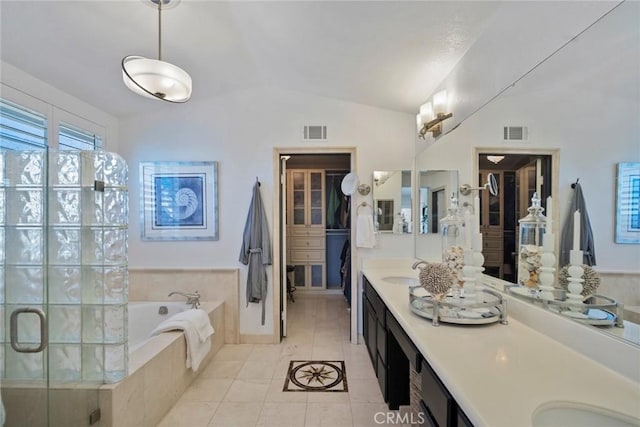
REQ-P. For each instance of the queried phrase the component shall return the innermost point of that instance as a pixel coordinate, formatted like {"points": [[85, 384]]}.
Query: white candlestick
{"points": [[549, 215], [576, 230], [467, 230], [476, 213], [549, 242]]}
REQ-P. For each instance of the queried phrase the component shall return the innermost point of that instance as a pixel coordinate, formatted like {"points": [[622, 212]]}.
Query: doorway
{"points": [[313, 248], [519, 175]]}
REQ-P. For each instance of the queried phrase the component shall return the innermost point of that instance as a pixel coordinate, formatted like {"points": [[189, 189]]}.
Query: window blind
{"points": [[21, 128], [74, 138]]}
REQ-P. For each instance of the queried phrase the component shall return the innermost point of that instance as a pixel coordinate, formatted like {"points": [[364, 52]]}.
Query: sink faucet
{"points": [[417, 263], [192, 298]]}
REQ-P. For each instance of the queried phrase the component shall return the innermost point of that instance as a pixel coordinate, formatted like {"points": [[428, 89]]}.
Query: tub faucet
{"points": [[192, 298]]}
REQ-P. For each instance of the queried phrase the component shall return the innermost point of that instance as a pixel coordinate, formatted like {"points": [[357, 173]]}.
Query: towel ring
{"points": [[363, 204]]}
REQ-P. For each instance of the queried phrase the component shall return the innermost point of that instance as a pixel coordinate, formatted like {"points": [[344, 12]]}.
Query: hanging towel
{"points": [[586, 233], [256, 250], [365, 233], [197, 331]]}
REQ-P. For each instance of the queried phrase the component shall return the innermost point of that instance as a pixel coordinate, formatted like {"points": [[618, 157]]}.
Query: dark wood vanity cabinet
{"points": [[375, 334], [393, 354]]}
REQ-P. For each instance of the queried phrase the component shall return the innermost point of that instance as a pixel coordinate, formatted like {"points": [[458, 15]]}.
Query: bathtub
{"points": [[145, 316], [157, 366]]}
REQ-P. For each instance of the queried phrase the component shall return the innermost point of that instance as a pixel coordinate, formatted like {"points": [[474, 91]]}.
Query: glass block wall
{"points": [[63, 249]]}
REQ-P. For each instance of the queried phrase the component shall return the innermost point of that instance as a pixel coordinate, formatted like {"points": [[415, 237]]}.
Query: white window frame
{"points": [[54, 116]]}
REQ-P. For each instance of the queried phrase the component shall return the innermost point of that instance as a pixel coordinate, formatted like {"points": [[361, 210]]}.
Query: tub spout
{"points": [[192, 298]]}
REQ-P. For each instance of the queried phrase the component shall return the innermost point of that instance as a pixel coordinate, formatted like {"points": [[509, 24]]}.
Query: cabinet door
{"points": [[370, 333], [316, 214], [306, 198], [309, 275], [297, 198]]}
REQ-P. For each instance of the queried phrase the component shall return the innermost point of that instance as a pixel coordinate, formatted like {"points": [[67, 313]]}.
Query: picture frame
{"points": [[179, 200], [628, 203]]}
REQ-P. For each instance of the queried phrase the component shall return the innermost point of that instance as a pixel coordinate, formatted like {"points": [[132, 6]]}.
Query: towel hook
{"points": [[575, 183], [258, 182]]}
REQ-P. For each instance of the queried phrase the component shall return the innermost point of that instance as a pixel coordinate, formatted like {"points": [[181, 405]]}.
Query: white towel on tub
{"points": [[197, 331]]}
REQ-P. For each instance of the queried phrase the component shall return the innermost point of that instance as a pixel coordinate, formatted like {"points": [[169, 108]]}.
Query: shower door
{"points": [[63, 284]]}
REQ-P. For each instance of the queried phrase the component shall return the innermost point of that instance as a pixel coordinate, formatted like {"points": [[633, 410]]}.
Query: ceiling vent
{"points": [[315, 133], [516, 133]]}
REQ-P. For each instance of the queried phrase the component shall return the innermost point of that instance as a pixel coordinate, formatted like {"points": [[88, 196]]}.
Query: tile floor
{"points": [[242, 386]]}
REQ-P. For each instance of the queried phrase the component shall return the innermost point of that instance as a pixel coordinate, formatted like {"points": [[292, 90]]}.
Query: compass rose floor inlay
{"points": [[306, 375]]}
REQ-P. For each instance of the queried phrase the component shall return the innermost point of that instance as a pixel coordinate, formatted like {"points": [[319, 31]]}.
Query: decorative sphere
{"points": [[547, 258], [436, 278], [478, 259], [575, 271], [546, 278]]}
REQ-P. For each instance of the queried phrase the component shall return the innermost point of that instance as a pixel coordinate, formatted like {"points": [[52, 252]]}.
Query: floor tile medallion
{"points": [[305, 375]]}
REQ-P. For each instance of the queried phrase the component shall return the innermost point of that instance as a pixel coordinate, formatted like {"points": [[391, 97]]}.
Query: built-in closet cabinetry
{"points": [[306, 239]]}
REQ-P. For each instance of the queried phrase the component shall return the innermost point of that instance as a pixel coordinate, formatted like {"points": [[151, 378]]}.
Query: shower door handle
{"points": [[14, 330]]}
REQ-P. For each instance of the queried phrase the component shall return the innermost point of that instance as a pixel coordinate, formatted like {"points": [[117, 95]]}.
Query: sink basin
{"points": [[402, 280], [576, 414]]}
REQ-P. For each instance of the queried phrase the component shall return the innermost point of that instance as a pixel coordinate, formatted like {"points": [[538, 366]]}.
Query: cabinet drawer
{"points": [[382, 378], [307, 242], [306, 231], [378, 307], [489, 233], [305, 257], [492, 258], [409, 349], [381, 340], [426, 419], [436, 397], [492, 244]]}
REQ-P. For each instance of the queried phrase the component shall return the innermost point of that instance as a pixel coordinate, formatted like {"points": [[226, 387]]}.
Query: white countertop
{"points": [[499, 374]]}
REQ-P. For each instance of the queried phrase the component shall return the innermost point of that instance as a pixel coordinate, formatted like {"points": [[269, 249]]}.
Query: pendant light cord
{"points": [[160, 30]]}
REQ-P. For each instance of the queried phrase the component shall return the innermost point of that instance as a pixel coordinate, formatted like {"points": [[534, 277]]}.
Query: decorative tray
{"points": [[596, 310], [485, 307]]}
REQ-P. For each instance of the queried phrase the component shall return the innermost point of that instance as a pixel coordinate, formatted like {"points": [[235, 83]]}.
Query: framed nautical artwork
{"points": [[628, 203], [179, 200]]}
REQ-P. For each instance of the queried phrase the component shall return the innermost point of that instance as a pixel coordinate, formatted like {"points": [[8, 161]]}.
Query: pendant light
{"points": [[153, 78]]}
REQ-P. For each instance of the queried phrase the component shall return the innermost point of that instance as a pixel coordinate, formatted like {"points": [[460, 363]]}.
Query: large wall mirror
{"points": [[579, 115], [392, 201]]}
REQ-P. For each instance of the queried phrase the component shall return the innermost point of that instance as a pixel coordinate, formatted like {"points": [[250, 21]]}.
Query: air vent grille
{"points": [[516, 133], [315, 133]]}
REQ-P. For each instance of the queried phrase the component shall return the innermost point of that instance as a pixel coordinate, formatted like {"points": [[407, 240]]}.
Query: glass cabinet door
{"points": [[316, 190], [298, 214]]}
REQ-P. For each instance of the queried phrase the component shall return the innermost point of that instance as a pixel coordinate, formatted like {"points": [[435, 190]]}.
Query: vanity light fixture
{"points": [[153, 78], [431, 116]]}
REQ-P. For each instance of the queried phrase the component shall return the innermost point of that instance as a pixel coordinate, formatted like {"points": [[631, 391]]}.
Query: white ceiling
{"points": [[389, 54]]}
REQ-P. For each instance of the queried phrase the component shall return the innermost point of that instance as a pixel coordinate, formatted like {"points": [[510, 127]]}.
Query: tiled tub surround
{"points": [[213, 285], [157, 376], [624, 287], [500, 374]]}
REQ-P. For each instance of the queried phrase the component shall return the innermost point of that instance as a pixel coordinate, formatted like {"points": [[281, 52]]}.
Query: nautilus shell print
{"points": [[186, 203]]}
